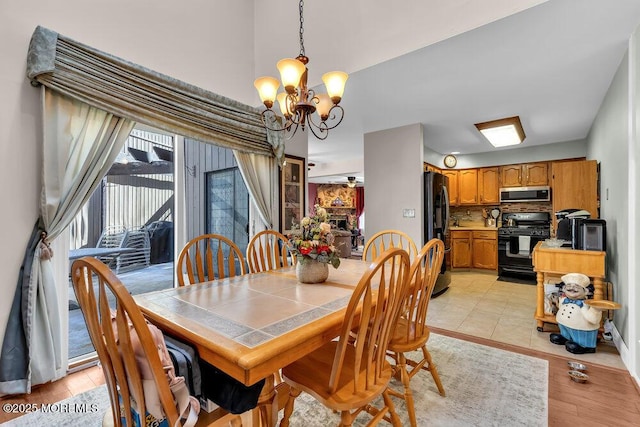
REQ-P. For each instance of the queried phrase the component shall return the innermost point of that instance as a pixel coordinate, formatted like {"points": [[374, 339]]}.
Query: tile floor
{"points": [[478, 304]]}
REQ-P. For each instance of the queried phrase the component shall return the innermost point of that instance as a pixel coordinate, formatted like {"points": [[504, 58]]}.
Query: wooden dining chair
{"points": [[268, 250], [347, 374], [411, 331], [208, 257], [386, 239], [99, 291]]}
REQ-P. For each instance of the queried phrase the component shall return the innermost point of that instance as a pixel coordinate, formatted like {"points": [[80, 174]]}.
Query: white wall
{"points": [[634, 203], [613, 140], [608, 144], [198, 44], [355, 26], [561, 150], [393, 166]]}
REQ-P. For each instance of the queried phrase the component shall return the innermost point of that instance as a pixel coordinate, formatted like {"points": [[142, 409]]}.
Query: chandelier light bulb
{"points": [[323, 106], [267, 89], [282, 101], [335, 81], [291, 71]]}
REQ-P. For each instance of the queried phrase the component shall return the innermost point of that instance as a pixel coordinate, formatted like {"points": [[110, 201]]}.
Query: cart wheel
{"points": [[540, 329]]}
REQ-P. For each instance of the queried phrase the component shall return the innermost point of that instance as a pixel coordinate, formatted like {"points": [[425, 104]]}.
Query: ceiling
{"points": [[551, 64]]}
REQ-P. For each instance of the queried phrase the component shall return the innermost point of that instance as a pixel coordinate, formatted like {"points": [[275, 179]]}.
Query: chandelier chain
{"points": [[301, 29], [298, 102]]}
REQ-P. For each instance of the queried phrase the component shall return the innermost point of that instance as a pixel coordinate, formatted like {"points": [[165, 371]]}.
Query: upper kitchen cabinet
{"points": [[574, 185], [431, 168], [453, 186], [468, 187], [473, 186], [525, 175], [489, 186]]}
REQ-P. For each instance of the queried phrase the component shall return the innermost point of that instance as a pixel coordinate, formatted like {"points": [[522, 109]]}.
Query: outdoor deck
{"points": [[148, 279]]}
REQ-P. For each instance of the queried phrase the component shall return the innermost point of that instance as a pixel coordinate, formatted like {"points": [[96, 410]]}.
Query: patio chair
{"points": [[139, 241], [112, 237], [208, 257], [347, 375]]}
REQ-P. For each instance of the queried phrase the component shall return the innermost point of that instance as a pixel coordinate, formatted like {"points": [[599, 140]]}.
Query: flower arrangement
{"points": [[314, 240]]}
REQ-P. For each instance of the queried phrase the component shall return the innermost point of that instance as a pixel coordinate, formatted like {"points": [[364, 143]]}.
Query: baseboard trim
{"points": [[625, 355]]}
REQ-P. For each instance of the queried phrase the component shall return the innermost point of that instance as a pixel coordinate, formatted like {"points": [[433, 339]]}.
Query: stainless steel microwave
{"points": [[525, 194]]}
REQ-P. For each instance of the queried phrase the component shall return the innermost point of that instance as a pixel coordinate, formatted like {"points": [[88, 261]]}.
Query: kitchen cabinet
{"points": [[474, 186], [453, 186], [485, 249], [574, 185], [292, 193], [489, 186], [474, 249], [431, 168], [468, 186], [525, 175], [461, 249]]}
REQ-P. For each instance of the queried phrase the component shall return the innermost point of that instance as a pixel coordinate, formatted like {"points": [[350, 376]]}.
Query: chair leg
{"points": [[408, 394], [288, 407], [346, 419], [434, 371], [395, 419]]}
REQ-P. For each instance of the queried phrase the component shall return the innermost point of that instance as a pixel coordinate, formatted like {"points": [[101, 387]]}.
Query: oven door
{"points": [[514, 253]]}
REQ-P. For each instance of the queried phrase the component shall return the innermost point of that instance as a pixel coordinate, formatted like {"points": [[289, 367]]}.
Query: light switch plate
{"points": [[409, 213]]}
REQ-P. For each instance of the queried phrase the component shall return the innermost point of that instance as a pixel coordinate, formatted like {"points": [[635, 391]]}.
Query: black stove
{"points": [[525, 224], [518, 235]]}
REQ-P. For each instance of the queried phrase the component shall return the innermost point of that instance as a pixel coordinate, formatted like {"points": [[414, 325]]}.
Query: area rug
{"points": [[484, 386]]}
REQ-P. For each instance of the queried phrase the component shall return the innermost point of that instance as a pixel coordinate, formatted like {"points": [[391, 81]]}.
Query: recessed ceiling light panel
{"points": [[502, 132]]}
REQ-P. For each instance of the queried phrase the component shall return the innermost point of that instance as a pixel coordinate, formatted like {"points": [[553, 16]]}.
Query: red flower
{"points": [[323, 248], [305, 251]]}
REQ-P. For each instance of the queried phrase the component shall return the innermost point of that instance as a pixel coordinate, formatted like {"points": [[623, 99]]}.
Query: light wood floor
{"points": [[481, 309]]}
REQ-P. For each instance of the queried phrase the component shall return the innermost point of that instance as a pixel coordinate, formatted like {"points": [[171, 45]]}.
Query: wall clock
{"points": [[450, 161]]}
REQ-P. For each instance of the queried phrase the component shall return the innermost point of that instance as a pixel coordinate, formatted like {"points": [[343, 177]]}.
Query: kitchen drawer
{"points": [[489, 234], [460, 234]]}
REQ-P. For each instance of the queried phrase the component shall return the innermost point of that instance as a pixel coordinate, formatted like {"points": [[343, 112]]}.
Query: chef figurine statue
{"points": [[578, 322]]}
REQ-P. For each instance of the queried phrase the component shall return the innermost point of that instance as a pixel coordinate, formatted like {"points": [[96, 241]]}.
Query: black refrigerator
{"points": [[436, 221]]}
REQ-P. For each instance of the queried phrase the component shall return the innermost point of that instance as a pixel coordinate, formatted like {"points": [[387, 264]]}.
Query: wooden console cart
{"points": [[555, 262]]}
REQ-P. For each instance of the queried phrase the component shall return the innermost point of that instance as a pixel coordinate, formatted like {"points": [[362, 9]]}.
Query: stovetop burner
{"points": [[525, 224]]}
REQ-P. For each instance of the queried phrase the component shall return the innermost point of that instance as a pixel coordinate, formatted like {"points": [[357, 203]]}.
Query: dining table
{"points": [[251, 326]]}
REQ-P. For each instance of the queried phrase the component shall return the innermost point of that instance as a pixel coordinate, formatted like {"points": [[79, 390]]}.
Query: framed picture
{"points": [[292, 193]]}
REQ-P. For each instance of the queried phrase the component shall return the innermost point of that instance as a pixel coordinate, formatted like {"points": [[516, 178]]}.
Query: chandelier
{"points": [[298, 102]]}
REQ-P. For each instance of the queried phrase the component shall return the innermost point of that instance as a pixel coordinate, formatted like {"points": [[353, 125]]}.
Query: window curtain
{"points": [[129, 90], [359, 201], [260, 175], [80, 143]]}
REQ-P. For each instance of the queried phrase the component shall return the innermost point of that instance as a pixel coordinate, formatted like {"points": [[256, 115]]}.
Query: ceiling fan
{"points": [[351, 181]]}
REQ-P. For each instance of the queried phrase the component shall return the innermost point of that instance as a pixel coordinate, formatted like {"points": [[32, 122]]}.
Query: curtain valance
{"points": [[131, 91]]}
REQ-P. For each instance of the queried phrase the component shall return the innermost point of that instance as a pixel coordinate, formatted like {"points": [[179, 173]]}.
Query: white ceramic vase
{"points": [[311, 271]]}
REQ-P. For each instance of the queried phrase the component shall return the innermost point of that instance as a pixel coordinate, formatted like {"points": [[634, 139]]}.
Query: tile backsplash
{"points": [[473, 214]]}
